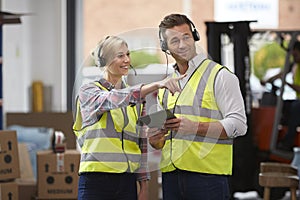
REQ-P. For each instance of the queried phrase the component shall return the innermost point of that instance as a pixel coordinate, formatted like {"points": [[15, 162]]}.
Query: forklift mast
{"points": [[243, 152], [239, 33]]}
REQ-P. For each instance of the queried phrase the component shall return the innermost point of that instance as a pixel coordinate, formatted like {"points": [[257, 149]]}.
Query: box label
{"points": [[58, 174]]}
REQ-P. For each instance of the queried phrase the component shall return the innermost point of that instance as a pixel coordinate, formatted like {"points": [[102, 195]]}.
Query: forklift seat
{"points": [[282, 175]]}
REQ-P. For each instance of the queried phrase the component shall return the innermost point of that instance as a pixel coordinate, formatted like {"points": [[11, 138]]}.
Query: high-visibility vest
{"points": [[297, 79], [197, 103], [112, 143]]}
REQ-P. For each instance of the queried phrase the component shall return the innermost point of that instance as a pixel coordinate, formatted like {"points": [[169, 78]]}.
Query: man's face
{"points": [[181, 43]]}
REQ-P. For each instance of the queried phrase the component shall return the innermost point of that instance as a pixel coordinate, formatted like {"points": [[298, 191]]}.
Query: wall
{"points": [[289, 14], [104, 17], [33, 50]]}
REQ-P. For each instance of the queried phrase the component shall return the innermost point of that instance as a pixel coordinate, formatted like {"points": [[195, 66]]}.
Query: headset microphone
{"points": [[133, 69]]}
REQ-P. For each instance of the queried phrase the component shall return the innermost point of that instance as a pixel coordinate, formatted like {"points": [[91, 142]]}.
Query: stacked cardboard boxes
{"points": [[9, 165], [28, 189], [57, 176], [9, 191], [26, 182]]}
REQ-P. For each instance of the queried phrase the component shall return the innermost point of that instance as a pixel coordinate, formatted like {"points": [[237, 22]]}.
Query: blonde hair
{"points": [[107, 49]]}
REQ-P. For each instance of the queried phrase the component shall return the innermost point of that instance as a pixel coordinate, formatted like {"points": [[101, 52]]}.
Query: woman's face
{"points": [[121, 62]]}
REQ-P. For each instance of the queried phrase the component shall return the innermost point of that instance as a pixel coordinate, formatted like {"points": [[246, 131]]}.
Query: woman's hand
{"points": [[143, 190], [171, 84]]}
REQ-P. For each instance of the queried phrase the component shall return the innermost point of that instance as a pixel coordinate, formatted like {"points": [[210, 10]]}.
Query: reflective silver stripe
{"points": [[138, 128], [199, 139], [197, 109], [126, 121], [80, 141], [96, 133], [165, 99], [202, 83], [109, 133], [126, 134], [110, 157], [131, 136], [189, 110], [205, 112], [139, 109], [106, 133]]}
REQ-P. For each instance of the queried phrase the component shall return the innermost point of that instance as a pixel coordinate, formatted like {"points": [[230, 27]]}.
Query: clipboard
{"points": [[156, 119]]}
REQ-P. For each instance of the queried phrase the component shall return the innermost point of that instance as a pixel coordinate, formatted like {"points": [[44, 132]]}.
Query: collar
{"points": [[109, 86], [193, 63]]}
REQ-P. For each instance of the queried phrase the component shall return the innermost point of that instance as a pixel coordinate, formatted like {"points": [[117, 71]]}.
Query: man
{"points": [[293, 120], [197, 145]]}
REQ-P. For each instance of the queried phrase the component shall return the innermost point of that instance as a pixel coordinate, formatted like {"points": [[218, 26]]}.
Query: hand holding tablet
{"points": [[156, 119]]}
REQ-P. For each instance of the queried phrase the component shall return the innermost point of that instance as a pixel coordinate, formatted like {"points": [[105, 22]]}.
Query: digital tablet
{"points": [[156, 119]]}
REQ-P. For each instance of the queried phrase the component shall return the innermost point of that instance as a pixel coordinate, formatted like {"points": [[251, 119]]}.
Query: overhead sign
{"points": [[264, 12]]}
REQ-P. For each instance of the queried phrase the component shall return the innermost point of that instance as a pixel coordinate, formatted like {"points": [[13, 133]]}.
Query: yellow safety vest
{"points": [[197, 103], [297, 79], [112, 143]]}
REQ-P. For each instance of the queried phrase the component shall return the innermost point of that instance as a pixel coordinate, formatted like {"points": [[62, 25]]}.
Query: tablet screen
{"points": [[156, 119]]}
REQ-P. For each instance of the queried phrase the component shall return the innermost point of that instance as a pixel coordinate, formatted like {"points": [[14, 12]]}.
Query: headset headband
{"points": [[101, 59]]}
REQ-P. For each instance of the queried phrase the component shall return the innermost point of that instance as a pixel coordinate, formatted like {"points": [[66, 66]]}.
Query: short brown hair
{"points": [[172, 20]]}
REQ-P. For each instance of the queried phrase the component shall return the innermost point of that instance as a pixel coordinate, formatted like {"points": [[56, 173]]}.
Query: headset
{"points": [[101, 62], [163, 43]]}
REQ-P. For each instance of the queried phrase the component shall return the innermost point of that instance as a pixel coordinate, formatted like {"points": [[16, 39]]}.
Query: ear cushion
{"points": [[196, 35], [163, 45], [102, 62]]}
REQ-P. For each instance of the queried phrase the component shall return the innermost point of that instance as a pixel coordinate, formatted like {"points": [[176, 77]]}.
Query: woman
{"points": [[105, 126]]}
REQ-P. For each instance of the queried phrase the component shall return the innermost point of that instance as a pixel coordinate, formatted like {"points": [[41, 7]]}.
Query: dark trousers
{"points": [[184, 185], [293, 123], [107, 186]]}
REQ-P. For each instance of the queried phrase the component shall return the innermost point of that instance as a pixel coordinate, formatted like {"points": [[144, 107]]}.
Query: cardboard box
{"points": [[9, 191], [26, 170], [27, 189], [57, 176], [9, 158]]}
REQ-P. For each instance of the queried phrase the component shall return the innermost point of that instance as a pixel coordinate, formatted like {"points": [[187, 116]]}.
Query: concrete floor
{"points": [[253, 195]]}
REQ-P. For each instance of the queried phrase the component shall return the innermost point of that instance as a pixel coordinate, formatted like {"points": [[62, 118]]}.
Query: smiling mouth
{"points": [[183, 51], [124, 67], [182, 54]]}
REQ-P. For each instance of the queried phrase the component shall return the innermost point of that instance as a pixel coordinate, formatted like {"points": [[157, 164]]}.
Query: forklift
{"points": [[254, 147]]}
